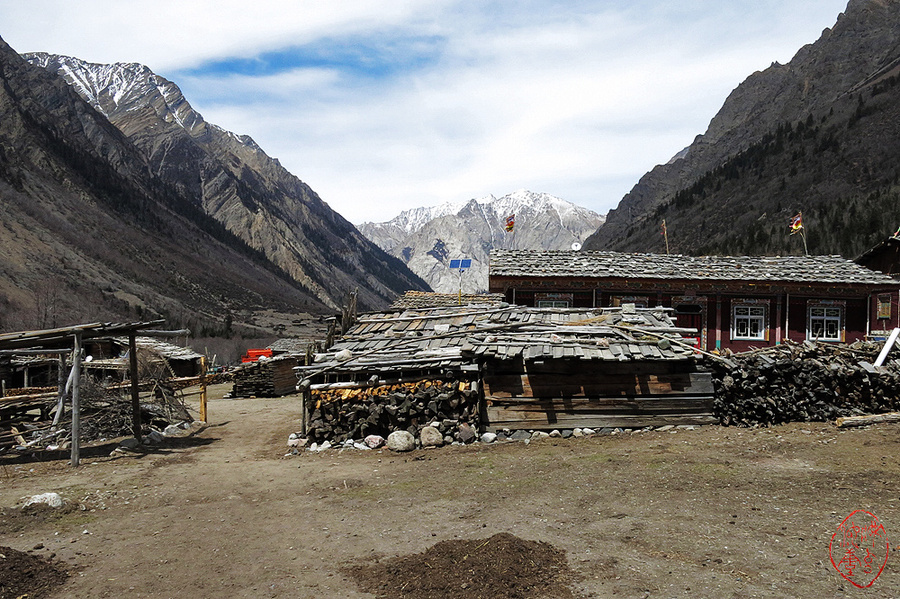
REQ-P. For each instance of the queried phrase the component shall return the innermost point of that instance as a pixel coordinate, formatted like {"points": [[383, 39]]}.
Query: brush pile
{"points": [[340, 414], [106, 413], [798, 382]]}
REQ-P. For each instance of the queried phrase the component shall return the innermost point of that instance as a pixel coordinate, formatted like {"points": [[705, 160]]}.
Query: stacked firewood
{"points": [[340, 414], [266, 378], [796, 382]]}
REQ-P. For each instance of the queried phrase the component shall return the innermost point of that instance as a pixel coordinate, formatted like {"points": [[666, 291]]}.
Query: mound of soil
{"points": [[501, 566], [25, 575]]}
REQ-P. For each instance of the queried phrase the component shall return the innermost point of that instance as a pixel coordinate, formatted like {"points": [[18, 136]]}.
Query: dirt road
{"points": [[712, 512]]}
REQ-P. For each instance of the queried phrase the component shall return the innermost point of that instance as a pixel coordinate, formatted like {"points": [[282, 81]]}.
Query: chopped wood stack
{"points": [[340, 414], [266, 378], [804, 382]]}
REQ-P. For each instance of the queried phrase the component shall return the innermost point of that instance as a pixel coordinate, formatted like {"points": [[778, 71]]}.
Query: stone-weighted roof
{"points": [[618, 265], [430, 299], [451, 337]]}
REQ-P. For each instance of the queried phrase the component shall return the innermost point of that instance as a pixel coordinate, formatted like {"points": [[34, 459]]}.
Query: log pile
{"points": [[798, 382], [339, 414], [266, 378]]}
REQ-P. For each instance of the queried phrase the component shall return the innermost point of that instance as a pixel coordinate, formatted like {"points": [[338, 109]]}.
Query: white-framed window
{"points": [[552, 304], [825, 323], [748, 322], [639, 301], [553, 299]]}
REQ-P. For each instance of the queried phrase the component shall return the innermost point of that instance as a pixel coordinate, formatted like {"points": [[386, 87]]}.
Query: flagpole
{"points": [[797, 227], [666, 235]]}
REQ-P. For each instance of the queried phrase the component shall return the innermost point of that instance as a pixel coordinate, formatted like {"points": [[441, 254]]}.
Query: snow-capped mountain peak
{"points": [[428, 238], [122, 86]]}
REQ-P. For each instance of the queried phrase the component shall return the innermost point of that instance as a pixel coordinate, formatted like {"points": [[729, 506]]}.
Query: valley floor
{"points": [[713, 512]]}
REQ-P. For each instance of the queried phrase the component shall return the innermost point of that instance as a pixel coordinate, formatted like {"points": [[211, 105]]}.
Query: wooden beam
{"points": [[888, 346], [75, 456], [135, 391], [849, 421], [203, 415], [156, 333], [33, 352], [61, 388], [605, 421]]}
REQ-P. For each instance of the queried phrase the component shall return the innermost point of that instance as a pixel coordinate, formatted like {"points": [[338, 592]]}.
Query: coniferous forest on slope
{"points": [[840, 169]]}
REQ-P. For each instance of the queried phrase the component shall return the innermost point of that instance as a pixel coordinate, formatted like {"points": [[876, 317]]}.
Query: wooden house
{"points": [[884, 257], [735, 303], [533, 368]]}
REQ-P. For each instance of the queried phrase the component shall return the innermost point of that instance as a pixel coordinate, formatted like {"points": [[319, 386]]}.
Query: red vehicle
{"points": [[253, 355]]}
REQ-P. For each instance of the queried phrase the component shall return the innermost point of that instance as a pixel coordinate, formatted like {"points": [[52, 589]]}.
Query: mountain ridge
{"points": [[428, 238], [800, 137], [89, 233], [237, 183]]}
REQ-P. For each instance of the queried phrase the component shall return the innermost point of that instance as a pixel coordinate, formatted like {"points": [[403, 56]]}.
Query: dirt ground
{"points": [[712, 512]]}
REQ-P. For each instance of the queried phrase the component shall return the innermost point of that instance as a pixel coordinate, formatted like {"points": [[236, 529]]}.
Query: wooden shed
{"points": [[535, 368]]}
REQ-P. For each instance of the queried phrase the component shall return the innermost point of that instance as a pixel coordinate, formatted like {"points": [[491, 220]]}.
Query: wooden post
{"points": [[203, 416], [787, 316], [305, 390], [719, 321], [303, 403], [778, 320], [61, 386], [135, 398], [76, 402]]}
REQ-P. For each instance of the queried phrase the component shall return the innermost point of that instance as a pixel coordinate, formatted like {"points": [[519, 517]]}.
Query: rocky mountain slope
{"points": [[233, 180], [90, 233], [817, 136], [426, 239]]}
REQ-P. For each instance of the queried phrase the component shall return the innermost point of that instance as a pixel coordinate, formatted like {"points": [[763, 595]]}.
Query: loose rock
{"points": [[401, 441], [374, 441], [51, 499], [466, 433], [431, 437]]}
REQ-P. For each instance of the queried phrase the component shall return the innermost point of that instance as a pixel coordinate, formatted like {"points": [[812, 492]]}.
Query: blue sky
{"points": [[384, 107]]}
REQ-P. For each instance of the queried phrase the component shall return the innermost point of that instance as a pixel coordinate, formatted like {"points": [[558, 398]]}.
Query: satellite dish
{"points": [[576, 246]]}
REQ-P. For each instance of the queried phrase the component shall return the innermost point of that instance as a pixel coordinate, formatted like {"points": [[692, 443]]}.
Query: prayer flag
{"points": [[797, 223]]}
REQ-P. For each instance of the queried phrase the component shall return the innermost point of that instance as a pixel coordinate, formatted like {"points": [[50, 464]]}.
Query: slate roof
{"points": [[430, 299], [161, 348], [618, 265], [453, 337], [892, 242], [291, 345]]}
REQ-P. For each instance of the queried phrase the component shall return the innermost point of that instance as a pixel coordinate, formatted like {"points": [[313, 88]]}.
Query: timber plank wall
{"points": [[566, 394]]}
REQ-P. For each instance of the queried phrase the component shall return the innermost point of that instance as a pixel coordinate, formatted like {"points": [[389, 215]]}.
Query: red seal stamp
{"points": [[859, 548]]}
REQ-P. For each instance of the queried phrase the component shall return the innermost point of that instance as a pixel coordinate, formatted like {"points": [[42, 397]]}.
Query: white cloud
{"points": [[171, 34], [578, 103]]}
